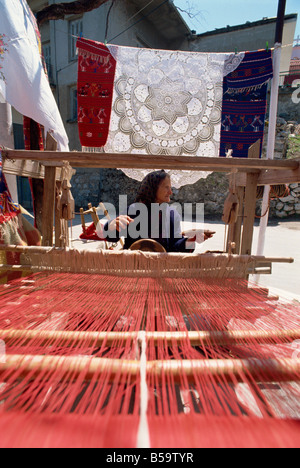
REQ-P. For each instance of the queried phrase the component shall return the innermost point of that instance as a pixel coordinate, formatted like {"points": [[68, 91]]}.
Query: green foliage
{"points": [[293, 147]]}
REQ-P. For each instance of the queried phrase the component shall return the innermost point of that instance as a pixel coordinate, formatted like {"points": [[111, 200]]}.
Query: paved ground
{"points": [[282, 240]]}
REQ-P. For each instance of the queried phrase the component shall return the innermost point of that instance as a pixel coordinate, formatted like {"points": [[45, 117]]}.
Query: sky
{"points": [[215, 14]]}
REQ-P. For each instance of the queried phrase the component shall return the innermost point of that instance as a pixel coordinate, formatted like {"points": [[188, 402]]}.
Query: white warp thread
{"points": [[143, 438]]}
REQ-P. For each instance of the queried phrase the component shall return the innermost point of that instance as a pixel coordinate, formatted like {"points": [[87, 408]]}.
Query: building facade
{"points": [[136, 23], [249, 36], [129, 23]]}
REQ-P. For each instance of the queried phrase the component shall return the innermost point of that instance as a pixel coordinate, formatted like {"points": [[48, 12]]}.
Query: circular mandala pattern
{"points": [[167, 103]]}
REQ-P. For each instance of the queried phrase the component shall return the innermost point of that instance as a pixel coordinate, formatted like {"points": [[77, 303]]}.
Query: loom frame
{"points": [[249, 174]]}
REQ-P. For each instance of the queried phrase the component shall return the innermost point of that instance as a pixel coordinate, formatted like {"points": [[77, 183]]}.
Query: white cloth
{"points": [[168, 103], [23, 82]]}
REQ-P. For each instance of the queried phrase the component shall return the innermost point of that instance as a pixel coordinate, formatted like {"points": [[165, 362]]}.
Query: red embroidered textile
{"points": [[8, 209], [90, 233], [27, 138], [96, 71]]}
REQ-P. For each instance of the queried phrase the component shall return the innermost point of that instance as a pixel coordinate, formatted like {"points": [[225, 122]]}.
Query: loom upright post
{"points": [[6, 139], [272, 122]]}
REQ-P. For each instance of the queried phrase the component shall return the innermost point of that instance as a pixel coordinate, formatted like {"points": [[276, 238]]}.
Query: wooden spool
{"points": [[148, 245], [88, 368], [195, 338]]}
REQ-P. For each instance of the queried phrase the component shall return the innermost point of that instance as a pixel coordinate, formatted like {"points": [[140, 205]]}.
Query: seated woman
{"points": [[151, 217]]}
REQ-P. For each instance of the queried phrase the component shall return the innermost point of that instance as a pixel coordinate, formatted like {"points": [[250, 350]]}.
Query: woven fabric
{"points": [[96, 71], [170, 103], [242, 125], [11, 230], [23, 82], [8, 209], [14, 227], [255, 70], [245, 103], [32, 235], [90, 233], [27, 122], [163, 102]]}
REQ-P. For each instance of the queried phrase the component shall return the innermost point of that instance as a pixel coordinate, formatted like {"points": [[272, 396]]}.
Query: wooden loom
{"points": [[86, 369]]}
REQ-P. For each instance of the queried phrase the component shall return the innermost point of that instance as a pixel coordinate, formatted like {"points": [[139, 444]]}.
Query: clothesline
{"points": [[191, 52], [233, 52], [138, 100]]}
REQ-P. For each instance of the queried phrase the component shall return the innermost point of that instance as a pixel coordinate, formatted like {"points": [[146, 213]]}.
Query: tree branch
{"points": [[60, 10]]}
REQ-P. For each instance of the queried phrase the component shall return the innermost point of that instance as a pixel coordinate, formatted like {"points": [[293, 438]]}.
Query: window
{"points": [[73, 103], [75, 29], [47, 58]]}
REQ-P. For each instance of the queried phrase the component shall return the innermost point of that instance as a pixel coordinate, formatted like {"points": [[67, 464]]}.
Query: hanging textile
{"points": [[245, 103], [154, 101], [33, 140], [23, 82], [90, 233], [255, 70], [11, 229], [14, 228], [27, 124], [96, 70], [8, 209]]}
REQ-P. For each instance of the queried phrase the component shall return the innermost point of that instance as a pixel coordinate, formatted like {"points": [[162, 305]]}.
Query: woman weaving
{"points": [[151, 217]]}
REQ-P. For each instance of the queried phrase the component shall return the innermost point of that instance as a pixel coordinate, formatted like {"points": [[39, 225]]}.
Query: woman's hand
{"points": [[198, 235], [119, 223]]}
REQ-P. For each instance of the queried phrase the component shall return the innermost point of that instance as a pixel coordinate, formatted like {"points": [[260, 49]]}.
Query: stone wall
{"points": [[86, 187], [289, 205], [106, 185], [288, 103]]}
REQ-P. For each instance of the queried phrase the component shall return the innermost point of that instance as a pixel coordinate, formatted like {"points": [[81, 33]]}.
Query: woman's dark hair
{"points": [[148, 189]]}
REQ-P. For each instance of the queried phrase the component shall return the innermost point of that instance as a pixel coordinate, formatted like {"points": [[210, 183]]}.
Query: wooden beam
{"points": [[48, 206], [235, 230], [87, 368], [49, 197], [254, 150], [272, 177], [30, 249], [33, 169], [113, 338], [57, 217], [24, 168], [138, 161], [249, 213]]}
